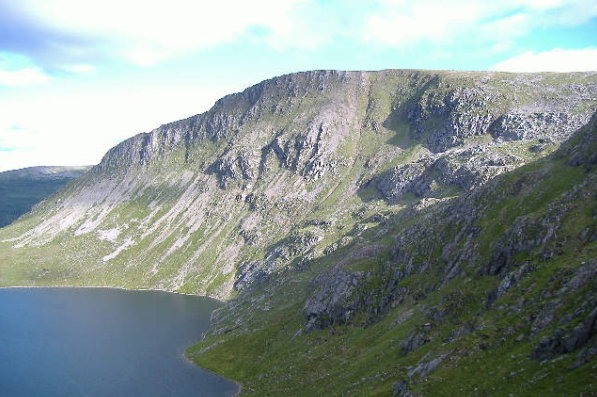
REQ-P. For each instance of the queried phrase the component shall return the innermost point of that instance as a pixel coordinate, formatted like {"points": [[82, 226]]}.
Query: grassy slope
{"points": [[271, 358]]}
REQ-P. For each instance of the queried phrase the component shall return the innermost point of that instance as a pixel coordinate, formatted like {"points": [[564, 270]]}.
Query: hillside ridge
{"points": [[45, 172], [206, 203], [375, 233]]}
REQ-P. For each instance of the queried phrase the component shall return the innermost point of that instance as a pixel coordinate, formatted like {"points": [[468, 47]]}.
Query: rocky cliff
{"points": [[490, 293], [367, 228], [231, 194]]}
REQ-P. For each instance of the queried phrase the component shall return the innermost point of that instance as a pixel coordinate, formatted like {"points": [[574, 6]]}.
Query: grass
{"points": [[260, 338], [492, 357]]}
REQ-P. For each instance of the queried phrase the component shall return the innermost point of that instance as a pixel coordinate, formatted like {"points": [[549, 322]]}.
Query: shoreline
{"points": [[108, 287], [238, 384]]}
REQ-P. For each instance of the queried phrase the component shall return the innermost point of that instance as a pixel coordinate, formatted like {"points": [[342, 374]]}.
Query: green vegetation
{"points": [[481, 348], [366, 226]]}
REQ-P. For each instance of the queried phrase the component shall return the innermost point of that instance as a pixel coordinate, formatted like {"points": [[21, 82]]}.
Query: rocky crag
{"points": [[375, 233], [490, 293]]}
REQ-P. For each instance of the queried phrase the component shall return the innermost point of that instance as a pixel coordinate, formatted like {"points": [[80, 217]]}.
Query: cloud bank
{"points": [[556, 60], [58, 34]]}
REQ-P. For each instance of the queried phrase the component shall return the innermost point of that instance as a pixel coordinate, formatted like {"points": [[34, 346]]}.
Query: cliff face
{"points": [[396, 223], [239, 192], [489, 293]]}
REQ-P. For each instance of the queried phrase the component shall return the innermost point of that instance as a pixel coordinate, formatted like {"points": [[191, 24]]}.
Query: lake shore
{"points": [[109, 287]]}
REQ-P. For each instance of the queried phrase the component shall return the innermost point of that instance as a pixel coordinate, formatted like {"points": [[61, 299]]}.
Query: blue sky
{"points": [[78, 76]]}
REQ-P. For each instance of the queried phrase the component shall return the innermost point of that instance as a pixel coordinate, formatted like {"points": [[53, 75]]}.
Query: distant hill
{"points": [[21, 189]]}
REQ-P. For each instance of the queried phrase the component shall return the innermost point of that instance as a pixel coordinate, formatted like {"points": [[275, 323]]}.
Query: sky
{"points": [[77, 76]]}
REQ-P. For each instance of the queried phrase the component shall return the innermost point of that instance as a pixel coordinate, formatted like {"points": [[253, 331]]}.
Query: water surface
{"points": [[103, 342]]}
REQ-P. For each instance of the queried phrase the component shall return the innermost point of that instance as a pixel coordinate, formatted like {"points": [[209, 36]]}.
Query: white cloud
{"points": [[79, 68], [401, 23], [404, 23], [508, 27], [22, 77], [146, 32], [570, 13], [556, 60]]}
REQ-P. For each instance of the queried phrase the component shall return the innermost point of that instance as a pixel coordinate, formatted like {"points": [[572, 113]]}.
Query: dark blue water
{"points": [[103, 342]]}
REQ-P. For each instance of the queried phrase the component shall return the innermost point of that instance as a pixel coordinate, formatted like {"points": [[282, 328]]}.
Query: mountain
{"points": [[490, 294], [21, 189], [374, 233]]}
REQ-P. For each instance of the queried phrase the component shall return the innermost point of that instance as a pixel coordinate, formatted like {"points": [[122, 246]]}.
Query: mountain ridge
{"points": [[172, 131], [45, 172], [371, 232], [309, 130]]}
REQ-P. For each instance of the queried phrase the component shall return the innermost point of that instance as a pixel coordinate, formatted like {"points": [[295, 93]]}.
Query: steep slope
{"points": [[286, 171], [21, 189], [490, 294]]}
